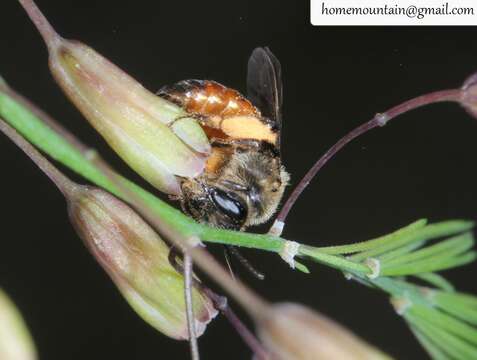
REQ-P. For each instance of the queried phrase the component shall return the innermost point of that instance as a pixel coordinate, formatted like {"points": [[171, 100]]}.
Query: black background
{"points": [[420, 165]]}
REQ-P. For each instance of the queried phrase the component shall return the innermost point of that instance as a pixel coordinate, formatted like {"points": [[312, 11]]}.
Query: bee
{"points": [[243, 180]]}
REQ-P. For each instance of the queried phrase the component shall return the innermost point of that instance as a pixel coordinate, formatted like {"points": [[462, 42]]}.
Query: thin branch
{"points": [[221, 303], [49, 35], [194, 347], [378, 120]]}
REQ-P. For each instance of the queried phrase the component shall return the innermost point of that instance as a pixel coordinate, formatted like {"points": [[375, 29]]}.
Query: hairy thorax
{"points": [[248, 171]]}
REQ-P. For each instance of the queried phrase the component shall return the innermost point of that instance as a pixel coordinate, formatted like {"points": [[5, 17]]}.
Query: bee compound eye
{"points": [[229, 204]]}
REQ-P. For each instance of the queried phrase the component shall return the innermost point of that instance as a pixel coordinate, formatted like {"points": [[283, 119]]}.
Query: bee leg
{"points": [[172, 257], [229, 262], [174, 197], [177, 263], [245, 263], [172, 123], [229, 249]]}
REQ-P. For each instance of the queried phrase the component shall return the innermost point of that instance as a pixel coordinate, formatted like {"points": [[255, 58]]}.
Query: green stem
{"points": [[458, 298], [444, 322], [451, 247], [452, 345], [398, 288], [429, 232], [434, 351], [460, 311], [434, 264], [436, 280], [393, 254], [374, 243], [334, 261]]}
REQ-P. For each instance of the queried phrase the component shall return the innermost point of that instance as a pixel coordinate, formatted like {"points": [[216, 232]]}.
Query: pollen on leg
{"points": [[248, 127]]}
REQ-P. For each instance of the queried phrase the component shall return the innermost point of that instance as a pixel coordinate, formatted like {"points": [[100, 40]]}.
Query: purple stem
{"points": [[221, 303], [49, 35], [194, 347], [378, 120]]}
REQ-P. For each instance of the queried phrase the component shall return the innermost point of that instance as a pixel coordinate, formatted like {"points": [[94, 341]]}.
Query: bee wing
{"points": [[264, 84]]}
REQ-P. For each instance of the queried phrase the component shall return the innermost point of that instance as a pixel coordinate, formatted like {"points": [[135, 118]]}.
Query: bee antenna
{"points": [[229, 262], [245, 263]]}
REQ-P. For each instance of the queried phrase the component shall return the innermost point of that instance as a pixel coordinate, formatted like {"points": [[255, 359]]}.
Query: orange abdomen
{"points": [[209, 98]]}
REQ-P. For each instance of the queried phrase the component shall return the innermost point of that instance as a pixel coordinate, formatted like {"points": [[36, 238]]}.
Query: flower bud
{"points": [[155, 137], [137, 261], [144, 129], [291, 331], [15, 340]]}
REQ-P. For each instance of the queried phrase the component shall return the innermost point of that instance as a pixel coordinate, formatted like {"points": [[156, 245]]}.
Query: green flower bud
{"points": [[137, 261], [294, 332], [15, 340], [137, 124], [155, 137]]}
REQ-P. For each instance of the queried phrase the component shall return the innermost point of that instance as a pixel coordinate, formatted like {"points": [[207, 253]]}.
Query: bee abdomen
{"points": [[208, 98]]}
